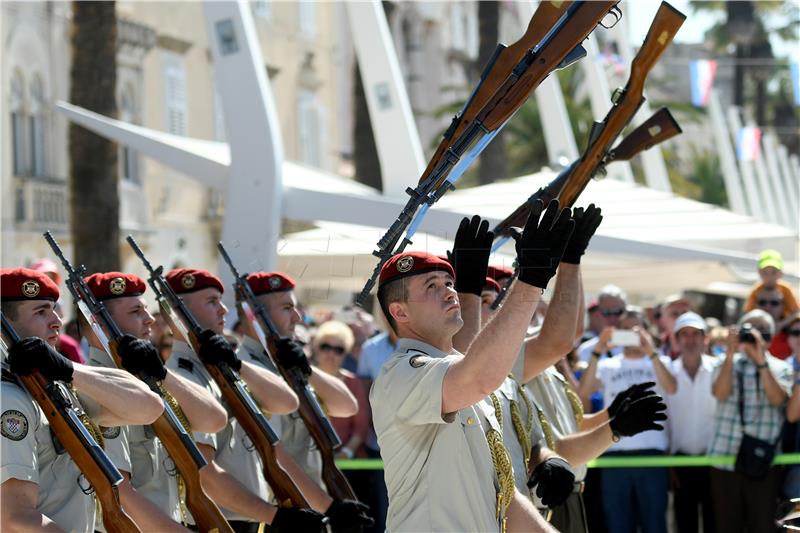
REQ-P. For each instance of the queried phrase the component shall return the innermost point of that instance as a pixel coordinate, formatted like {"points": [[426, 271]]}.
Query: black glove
{"points": [[349, 516], [636, 416], [634, 392], [541, 244], [138, 356], [291, 519], [34, 354], [470, 256], [291, 355], [215, 349], [586, 223], [555, 479]]}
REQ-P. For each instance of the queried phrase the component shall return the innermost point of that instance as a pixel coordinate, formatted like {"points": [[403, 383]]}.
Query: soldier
{"points": [[244, 496], [155, 505], [41, 485], [442, 469], [275, 291]]}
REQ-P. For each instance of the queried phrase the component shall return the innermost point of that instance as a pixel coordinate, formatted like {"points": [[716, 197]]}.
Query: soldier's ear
{"points": [[399, 312]]}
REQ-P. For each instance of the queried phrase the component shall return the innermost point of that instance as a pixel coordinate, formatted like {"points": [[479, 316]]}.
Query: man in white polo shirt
{"points": [[691, 420]]}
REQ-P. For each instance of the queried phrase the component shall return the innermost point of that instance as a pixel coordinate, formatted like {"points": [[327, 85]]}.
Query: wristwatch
{"points": [[653, 355], [762, 365]]}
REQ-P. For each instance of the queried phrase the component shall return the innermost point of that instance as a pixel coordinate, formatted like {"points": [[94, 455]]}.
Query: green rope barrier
{"points": [[630, 461]]}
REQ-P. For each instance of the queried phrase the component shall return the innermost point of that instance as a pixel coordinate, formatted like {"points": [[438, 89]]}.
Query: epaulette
{"points": [[186, 364]]}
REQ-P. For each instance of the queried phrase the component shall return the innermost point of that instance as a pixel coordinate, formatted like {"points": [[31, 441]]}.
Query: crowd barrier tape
{"points": [[627, 461]]}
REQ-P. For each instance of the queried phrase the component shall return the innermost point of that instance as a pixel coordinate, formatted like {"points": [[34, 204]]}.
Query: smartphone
{"points": [[625, 337]]}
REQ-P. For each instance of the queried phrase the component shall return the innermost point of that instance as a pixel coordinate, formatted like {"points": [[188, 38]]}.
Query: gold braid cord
{"points": [[575, 401], [181, 416], [93, 429], [523, 430], [502, 464], [546, 429]]}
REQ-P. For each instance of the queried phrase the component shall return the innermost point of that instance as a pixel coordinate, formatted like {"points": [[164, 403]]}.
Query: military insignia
{"points": [[188, 281], [274, 282], [30, 288], [404, 264], [14, 424], [111, 433], [418, 361], [117, 286]]}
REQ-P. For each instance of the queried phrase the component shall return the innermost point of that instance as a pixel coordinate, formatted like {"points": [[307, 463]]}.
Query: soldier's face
{"points": [[37, 318], [282, 309], [207, 308], [131, 315], [432, 307]]}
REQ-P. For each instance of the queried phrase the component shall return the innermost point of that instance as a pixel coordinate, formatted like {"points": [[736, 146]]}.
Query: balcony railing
{"points": [[41, 203]]}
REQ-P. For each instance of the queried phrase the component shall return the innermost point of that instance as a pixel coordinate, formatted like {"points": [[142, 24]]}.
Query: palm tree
{"points": [[94, 200]]}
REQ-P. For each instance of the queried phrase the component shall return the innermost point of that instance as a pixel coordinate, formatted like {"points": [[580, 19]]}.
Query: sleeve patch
{"points": [[14, 424]]}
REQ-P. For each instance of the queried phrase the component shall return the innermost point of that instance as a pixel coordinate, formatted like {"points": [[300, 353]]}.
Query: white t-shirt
{"points": [[691, 408], [617, 374]]}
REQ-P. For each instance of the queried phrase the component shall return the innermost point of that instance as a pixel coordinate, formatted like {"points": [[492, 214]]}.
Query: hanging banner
{"points": [[748, 143], [701, 78]]}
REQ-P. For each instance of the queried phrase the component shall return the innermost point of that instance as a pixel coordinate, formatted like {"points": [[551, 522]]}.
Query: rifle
{"points": [[598, 153], [234, 391], [480, 122], [64, 415], [170, 427], [318, 424]]}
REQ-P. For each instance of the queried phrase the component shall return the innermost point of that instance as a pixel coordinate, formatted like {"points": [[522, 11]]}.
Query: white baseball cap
{"points": [[690, 320]]}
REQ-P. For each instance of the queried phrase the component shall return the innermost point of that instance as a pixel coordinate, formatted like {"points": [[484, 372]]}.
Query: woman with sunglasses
{"points": [[332, 342]]}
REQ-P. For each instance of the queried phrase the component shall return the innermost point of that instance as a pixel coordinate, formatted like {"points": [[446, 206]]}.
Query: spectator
{"points": [[642, 492], [770, 270], [375, 352], [691, 410], [595, 322], [668, 312], [751, 387], [161, 336], [791, 485], [362, 325], [718, 341], [771, 301], [610, 306]]}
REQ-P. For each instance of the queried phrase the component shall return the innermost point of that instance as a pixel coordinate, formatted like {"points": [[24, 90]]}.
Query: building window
{"points": [[219, 116], [19, 138], [306, 13], [175, 85], [37, 127], [310, 128], [262, 8], [129, 158]]}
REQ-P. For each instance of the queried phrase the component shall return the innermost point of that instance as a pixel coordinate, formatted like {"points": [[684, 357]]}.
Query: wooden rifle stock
{"points": [[655, 130], [168, 428], [317, 423], [663, 29]]}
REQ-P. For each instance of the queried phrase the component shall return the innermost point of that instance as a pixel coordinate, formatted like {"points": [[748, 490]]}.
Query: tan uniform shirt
{"points": [[234, 451], [438, 468], [137, 450], [30, 452], [295, 438]]}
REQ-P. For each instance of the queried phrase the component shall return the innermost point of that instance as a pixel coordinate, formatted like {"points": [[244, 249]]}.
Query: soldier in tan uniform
{"points": [[443, 469], [230, 479], [41, 487], [156, 504], [275, 291]]}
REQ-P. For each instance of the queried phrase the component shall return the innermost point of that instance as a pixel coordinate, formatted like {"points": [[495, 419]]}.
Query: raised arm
{"points": [[723, 382], [493, 353], [271, 392], [123, 399], [205, 414]]}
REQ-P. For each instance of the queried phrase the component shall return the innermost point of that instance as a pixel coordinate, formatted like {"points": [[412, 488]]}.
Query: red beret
{"points": [[410, 264], [497, 273], [183, 280], [106, 285], [491, 285], [25, 284], [267, 282]]}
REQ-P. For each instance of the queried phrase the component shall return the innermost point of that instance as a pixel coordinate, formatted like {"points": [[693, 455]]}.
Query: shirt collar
{"points": [[405, 345]]}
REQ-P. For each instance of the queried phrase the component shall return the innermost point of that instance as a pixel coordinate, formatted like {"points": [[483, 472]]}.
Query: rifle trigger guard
{"points": [[615, 12]]}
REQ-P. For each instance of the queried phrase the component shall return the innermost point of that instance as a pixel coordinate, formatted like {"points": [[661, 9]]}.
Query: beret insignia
{"points": [[188, 281], [274, 282], [30, 288], [117, 286], [404, 264]]}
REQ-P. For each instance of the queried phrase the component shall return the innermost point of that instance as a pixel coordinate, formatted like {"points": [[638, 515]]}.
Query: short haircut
{"points": [[634, 311], [612, 291], [10, 309], [388, 293], [339, 330], [758, 314]]}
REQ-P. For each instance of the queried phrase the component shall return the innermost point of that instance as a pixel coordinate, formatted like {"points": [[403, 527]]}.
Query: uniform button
{"points": [[470, 421]]}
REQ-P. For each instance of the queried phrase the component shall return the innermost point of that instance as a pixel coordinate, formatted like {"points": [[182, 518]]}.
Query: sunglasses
{"points": [[764, 303], [793, 332], [612, 312], [338, 350]]}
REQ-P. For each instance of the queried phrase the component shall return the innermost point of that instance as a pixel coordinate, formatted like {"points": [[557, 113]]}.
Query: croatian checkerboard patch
{"points": [[13, 425]]}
